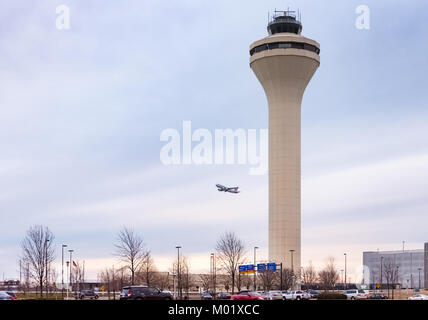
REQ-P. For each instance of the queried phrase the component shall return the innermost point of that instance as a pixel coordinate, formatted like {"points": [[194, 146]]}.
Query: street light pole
{"points": [[381, 268], [46, 261], [68, 262], [411, 271], [419, 269], [341, 273], [213, 273], [62, 270], [255, 260], [71, 268], [178, 271], [292, 265], [345, 273]]}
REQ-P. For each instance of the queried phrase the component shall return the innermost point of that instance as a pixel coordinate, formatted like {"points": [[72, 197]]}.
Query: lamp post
{"points": [[411, 271], [46, 262], [178, 271], [345, 272], [419, 269], [173, 284], [292, 265], [62, 269], [68, 262], [341, 273], [71, 268], [255, 248], [381, 268], [213, 273]]}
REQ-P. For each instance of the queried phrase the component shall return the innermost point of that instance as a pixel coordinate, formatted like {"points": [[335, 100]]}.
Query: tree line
{"points": [[137, 266]]}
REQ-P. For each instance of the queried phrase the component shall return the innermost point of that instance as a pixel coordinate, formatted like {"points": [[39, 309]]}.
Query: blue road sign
{"points": [[271, 267], [261, 267], [242, 269]]}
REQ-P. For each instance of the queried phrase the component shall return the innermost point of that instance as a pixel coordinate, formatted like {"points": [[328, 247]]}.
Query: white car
{"points": [[419, 297], [296, 295], [273, 295], [354, 294]]}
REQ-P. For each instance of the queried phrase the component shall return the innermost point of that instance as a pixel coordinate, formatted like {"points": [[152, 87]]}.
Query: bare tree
{"points": [[185, 281], [109, 278], [268, 279], [130, 249], [147, 272], [25, 283], [206, 281], [162, 280], [53, 276], [77, 274], [38, 251], [123, 277], [309, 276], [247, 281], [288, 279], [231, 253], [391, 274], [328, 276]]}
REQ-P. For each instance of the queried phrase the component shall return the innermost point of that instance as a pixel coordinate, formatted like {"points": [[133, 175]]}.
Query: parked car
{"points": [[295, 295], [354, 294], [223, 296], [418, 297], [378, 296], [144, 293], [90, 294], [247, 295], [12, 294], [206, 296], [273, 295], [313, 293], [5, 296]]}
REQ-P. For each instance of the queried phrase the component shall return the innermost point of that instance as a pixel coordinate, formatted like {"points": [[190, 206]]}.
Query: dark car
{"points": [[90, 294], [223, 296], [144, 293], [206, 296], [378, 296], [5, 296], [314, 294]]}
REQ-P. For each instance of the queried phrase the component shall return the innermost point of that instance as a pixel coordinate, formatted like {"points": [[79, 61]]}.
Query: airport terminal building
{"points": [[406, 268]]}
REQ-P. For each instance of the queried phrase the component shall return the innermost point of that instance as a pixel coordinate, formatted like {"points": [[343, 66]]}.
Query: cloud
{"points": [[82, 111]]}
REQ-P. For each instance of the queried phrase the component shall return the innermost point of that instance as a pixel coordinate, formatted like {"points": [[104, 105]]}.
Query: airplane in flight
{"points": [[222, 188]]}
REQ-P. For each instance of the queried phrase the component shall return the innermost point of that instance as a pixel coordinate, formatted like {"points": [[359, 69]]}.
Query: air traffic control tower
{"points": [[284, 62]]}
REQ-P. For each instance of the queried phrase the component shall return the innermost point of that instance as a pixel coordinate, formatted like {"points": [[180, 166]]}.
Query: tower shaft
{"points": [[284, 63]]}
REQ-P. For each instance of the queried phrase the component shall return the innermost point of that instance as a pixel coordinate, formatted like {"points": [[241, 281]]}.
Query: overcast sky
{"points": [[82, 111]]}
